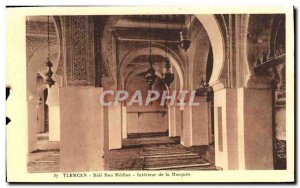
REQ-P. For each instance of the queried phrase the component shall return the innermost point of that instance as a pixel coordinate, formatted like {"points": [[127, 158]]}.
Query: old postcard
{"points": [[149, 94]]}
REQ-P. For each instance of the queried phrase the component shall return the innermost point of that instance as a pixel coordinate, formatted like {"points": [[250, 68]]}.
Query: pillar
{"points": [[124, 122], [115, 126], [243, 129], [81, 115], [178, 118], [172, 121], [32, 124], [210, 124], [255, 124], [195, 124], [54, 112], [186, 137], [226, 141], [41, 116], [201, 123]]}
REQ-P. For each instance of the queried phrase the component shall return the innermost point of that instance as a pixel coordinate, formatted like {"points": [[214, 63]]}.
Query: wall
{"points": [[146, 122], [151, 120]]}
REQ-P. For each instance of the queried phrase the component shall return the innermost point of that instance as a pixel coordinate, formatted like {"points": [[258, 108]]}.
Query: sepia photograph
{"points": [[156, 93]]}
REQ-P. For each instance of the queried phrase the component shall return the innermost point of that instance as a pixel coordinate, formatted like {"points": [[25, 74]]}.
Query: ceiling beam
{"points": [[142, 24], [147, 40]]}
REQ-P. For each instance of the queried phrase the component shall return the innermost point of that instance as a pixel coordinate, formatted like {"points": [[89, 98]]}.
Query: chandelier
{"points": [[185, 36], [150, 74], [168, 76], [48, 80]]}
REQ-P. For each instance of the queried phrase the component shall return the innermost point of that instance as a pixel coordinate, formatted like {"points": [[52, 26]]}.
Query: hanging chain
{"points": [[150, 42], [167, 35], [181, 23], [166, 40], [190, 25], [48, 41]]}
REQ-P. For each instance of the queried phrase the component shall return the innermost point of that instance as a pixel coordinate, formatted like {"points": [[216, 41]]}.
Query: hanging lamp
{"points": [[48, 80], [150, 74], [168, 76], [185, 36]]}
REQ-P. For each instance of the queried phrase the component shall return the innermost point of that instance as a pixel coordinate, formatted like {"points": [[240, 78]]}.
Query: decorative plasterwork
{"points": [[80, 49], [34, 43], [80, 63]]}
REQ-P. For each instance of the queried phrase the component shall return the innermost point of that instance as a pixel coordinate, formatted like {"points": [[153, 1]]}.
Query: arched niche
{"points": [[157, 49], [199, 50], [37, 62], [214, 33], [37, 65]]}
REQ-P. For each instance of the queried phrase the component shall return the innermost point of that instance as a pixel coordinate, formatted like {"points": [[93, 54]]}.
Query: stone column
{"points": [[115, 126], [81, 146]]}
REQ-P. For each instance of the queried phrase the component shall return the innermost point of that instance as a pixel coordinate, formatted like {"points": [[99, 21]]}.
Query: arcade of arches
{"points": [[240, 123]]}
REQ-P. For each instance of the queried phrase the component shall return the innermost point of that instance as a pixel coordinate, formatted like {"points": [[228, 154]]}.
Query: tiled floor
{"points": [[149, 153], [48, 163], [46, 157]]}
